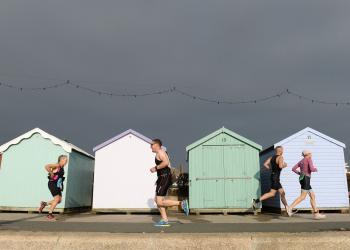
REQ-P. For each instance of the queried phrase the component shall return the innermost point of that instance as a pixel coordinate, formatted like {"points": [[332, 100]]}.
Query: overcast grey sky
{"points": [[239, 49]]}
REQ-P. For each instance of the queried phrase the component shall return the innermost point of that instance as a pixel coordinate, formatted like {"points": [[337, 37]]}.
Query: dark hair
{"points": [[157, 141], [278, 147]]}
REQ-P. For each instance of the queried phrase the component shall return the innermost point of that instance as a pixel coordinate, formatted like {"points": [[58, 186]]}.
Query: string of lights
{"points": [[317, 101], [112, 94], [2, 84], [230, 102], [174, 90]]}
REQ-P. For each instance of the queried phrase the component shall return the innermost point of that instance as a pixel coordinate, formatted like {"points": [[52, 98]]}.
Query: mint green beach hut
{"points": [[224, 172], [23, 179]]}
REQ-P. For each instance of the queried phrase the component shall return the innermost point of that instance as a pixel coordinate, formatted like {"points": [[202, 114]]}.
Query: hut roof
{"points": [[68, 147]]}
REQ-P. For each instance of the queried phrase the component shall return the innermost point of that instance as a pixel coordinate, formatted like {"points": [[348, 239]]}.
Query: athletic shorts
{"points": [[54, 189], [305, 184], [163, 183], [275, 183]]}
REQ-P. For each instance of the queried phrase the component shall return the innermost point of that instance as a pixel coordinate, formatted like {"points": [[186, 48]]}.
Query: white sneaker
{"points": [[289, 211], [319, 216]]}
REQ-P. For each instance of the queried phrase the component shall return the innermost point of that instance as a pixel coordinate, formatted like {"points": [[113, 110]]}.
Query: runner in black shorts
{"points": [[55, 185], [306, 168], [163, 183], [163, 180], [276, 164]]}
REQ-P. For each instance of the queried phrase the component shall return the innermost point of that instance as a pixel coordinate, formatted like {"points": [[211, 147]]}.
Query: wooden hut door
{"points": [[212, 180], [236, 179]]}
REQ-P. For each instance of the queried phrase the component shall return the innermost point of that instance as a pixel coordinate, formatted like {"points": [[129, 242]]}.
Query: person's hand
{"points": [[153, 170]]}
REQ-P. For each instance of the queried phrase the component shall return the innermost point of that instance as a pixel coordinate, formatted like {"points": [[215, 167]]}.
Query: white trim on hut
{"points": [[65, 145]]}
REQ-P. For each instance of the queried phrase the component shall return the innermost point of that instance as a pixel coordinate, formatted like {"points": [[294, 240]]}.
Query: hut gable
{"points": [[122, 135], [220, 131], [68, 147], [312, 131]]}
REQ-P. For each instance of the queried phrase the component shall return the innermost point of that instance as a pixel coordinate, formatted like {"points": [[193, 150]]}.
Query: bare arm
{"points": [[165, 160], [267, 163], [294, 169], [51, 167], [280, 162], [311, 166]]}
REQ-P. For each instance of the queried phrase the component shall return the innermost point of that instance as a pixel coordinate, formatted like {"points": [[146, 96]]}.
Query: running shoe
{"points": [[43, 204], [50, 217], [162, 223], [289, 212], [294, 211], [184, 205], [255, 204], [319, 216]]}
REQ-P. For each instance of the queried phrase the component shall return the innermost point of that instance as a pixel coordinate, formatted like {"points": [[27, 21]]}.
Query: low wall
{"points": [[285, 241]]}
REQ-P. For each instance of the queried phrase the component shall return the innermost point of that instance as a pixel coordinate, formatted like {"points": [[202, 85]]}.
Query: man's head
{"points": [[156, 145], [279, 150]]}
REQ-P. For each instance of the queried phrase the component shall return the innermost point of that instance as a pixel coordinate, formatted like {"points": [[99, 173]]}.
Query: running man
{"points": [[306, 167], [163, 183], [276, 164], [55, 185]]}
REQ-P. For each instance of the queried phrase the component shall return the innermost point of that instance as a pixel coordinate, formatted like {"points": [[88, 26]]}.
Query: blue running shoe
{"points": [[162, 223], [184, 205]]}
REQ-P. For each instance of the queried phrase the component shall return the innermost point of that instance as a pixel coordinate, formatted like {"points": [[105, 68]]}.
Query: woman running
{"points": [[55, 184], [306, 167], [163, 183]]}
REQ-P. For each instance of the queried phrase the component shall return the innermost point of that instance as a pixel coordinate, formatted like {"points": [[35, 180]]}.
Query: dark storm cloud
{"points": [[229, 49]]}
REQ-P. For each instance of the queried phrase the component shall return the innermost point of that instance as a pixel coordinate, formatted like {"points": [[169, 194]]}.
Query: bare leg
{"points": [[170, 203], [163, 214], [298, 200], [57, 199], [283, 197], [313, 201], [162, 204], [50, 202], [268, 195]]}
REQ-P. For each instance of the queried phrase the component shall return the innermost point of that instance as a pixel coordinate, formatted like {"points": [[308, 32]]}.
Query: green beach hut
{"points": [[23, 179], [224, 172]]}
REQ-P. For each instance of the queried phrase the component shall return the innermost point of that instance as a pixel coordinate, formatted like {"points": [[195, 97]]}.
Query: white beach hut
{"points": [[329, 183], [122, 179]]}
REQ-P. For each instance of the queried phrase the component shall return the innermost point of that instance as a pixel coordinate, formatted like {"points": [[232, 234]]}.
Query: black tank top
{"points": [[59, 174], [162, 171], [275, 169]]}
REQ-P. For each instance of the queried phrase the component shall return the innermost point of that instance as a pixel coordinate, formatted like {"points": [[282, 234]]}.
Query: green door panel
{"points": [[213, 170], [236, 176]]}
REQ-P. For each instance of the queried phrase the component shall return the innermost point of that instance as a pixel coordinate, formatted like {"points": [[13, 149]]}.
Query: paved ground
{"points": [[180, 224]]}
